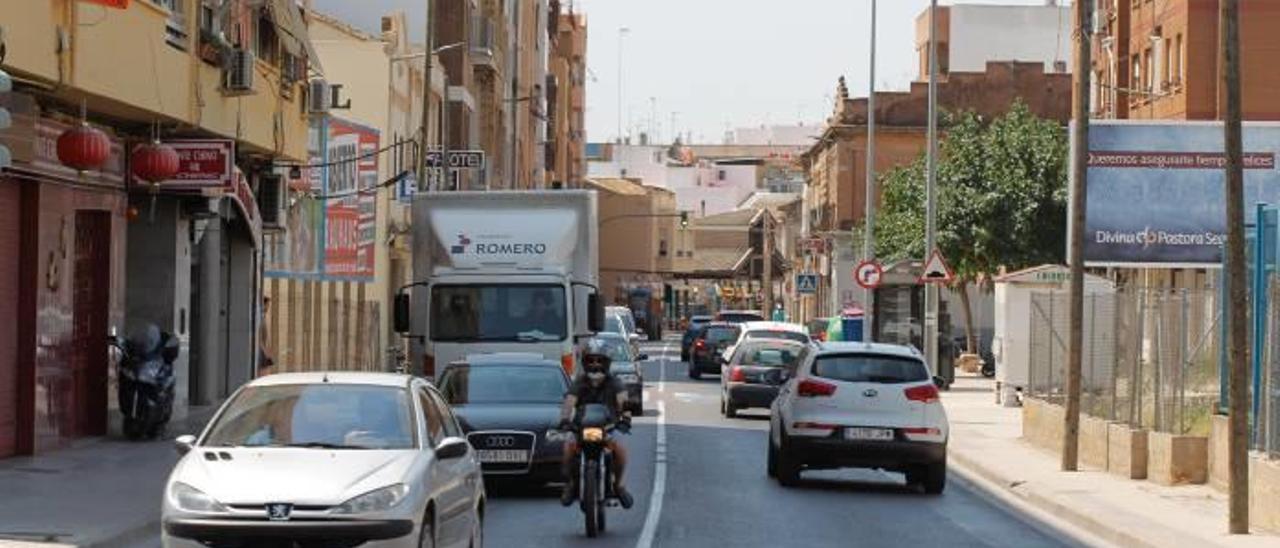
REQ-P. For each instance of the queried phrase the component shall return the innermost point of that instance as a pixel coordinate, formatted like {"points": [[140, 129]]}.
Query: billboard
{"points": [[332, 223], [350, 218], [1156, 194]]}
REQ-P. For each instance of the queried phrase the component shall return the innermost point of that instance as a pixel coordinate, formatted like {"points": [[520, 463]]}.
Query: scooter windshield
{"points": [[595, 415]]}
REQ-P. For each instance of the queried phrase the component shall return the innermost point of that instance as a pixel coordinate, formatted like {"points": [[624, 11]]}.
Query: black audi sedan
{"points": [[509, 406]]}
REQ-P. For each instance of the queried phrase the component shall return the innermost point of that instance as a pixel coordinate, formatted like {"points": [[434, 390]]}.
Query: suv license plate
{"points": [[504, 456], [868, 434]]}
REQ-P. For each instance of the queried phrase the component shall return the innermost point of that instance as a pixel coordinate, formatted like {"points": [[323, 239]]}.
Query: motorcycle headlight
{"points": [[378, 500], [593, 434], [190, 499]]}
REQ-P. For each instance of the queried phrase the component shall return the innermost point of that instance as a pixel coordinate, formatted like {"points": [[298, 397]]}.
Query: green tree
{"points": [[1001, 200]]}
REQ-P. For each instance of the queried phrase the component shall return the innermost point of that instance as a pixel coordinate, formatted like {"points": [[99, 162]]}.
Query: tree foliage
{"points": [[1001, 189]]}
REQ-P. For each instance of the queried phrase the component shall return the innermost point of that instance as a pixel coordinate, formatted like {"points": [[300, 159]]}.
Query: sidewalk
{"points": [[985, 440], [101, 492]]}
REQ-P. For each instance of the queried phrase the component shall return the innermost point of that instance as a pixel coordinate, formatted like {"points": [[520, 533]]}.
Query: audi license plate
{"points": [[868, 434], [503, 455]]}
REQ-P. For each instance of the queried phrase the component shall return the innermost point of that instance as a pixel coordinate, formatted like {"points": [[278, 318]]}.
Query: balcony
{"points": [[482, 42]]}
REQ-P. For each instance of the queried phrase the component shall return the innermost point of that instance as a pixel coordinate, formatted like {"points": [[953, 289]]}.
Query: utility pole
{"points": [[931, 193], [767, 275], [1079, 173], [869, 232], [425, 130], [513, 181], [1238, 322]]}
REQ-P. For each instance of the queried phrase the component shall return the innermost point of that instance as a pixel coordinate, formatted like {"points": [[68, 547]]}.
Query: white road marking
{"points": [[659, 470], [659, 482]]}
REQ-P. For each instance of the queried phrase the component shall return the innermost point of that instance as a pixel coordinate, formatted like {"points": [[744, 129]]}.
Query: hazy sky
{"points": [[722, 63]]}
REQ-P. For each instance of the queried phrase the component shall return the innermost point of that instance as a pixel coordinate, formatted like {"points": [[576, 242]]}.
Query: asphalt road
{"points": [[716, 493]]}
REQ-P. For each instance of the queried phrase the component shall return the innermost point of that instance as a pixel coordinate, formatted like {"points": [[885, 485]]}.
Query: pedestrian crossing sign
{"points": [[806, 284]]}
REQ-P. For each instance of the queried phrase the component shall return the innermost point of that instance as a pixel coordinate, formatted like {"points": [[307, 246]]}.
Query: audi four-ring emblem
{"points": [[500, 441]]}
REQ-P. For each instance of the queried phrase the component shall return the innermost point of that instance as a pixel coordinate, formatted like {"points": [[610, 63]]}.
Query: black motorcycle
{"points": [[595, 466], [145, 381]]}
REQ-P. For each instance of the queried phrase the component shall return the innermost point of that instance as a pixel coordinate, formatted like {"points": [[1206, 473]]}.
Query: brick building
{"points": [[1159, 59]]}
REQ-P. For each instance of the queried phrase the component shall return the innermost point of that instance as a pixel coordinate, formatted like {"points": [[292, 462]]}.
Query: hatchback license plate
{"points": [[503, 455], [868, 434]]}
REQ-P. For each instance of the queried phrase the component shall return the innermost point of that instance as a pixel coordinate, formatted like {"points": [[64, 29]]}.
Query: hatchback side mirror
{"points": [[643, 357], [939, 382], [184, 444], [452, 448]]}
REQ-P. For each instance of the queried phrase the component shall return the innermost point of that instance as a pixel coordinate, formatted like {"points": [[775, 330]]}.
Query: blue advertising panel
{"points": [[1155, 191]]}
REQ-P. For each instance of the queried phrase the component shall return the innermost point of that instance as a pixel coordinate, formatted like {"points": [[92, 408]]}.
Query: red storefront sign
{"points": [[203, 163]]}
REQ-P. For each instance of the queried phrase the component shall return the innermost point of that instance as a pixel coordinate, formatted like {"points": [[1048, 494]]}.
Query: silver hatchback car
{"points": [[369, 459]]}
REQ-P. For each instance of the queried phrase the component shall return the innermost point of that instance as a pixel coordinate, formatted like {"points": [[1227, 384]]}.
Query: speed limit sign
{"points": [[868, 274]]}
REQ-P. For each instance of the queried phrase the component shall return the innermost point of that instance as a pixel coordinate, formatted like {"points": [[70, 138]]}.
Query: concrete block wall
{"points": [[1176, 459], [1127, 450]]}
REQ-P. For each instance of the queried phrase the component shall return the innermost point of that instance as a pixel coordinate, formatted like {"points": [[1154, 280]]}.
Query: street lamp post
{"points": [[622, 33], [869, 235], [426, 110], [931, 206]]}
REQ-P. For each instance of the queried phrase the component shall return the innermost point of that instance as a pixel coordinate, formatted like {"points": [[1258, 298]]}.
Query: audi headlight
{"points": [[552, 435], [190, 499], [378, 500]]}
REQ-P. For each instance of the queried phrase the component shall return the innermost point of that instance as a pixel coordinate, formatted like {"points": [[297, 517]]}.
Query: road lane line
{"points": [[662, 366], [654, 514]]}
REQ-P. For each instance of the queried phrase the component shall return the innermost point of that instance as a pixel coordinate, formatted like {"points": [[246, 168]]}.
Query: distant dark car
{"points": [[740, 316], [708, 345], [686, 342], [509, 408], [758, 368]]}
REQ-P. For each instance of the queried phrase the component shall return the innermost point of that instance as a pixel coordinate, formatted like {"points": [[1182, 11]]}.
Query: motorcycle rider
{"points": [[595, 386]]}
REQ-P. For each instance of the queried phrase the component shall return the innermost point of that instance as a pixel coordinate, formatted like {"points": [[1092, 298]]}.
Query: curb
{"points": [[1000, 487]]}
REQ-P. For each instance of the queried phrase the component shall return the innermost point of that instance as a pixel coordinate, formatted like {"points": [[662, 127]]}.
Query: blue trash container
{"points": [[852, 328]]}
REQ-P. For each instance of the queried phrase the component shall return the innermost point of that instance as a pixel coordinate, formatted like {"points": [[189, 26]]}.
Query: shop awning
{"points": [[293, 32]]}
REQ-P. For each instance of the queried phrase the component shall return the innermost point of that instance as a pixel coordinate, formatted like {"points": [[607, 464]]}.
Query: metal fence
{"points": [[1150, 356], [1267, 432]]}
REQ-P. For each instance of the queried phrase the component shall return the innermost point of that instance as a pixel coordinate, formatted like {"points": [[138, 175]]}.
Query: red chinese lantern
{"points": [[83, 148], [154, 162]]}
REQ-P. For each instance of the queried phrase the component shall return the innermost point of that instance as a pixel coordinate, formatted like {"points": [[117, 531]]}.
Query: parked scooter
{"points": [[145, 380]]}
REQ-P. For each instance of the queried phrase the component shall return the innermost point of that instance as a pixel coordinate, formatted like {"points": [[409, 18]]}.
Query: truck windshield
{"points": [[512, 313]]}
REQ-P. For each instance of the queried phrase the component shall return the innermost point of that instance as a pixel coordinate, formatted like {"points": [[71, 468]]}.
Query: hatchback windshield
{"points": [[337, 416], [523, 313], [772, 355], [718, 334], [778, 334], [870, 368], [613, 324], [503, 384], [617, 349]]}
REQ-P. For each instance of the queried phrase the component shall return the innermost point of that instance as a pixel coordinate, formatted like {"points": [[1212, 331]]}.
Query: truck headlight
{"points": [[189, 499], [378, 500]]}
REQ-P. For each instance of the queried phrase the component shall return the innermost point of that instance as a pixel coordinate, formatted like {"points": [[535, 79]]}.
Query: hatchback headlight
{"points": [[378, 500], [189, 499]]}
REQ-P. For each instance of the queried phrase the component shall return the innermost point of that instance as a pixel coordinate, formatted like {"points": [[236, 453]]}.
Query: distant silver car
{"points": [[368, 459]]}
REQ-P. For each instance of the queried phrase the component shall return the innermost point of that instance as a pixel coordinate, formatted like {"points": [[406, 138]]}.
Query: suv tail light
{"points": [[736, 374], [926, 393], [810, 388], [700, 343]]}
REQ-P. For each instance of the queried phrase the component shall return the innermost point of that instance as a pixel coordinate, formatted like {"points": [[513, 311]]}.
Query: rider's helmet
{"points": [[595, 362]]}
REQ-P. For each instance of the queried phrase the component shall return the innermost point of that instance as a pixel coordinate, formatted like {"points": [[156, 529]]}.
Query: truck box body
{"points": [[501, 272]]}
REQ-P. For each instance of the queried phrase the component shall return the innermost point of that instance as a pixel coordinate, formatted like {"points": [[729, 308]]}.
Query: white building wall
{"points": [[698, 189], [1009, 33]]}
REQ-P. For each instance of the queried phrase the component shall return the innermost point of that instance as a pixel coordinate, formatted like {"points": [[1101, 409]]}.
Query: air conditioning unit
{"points": [[319, 96], [272, 201], [238, 73]]}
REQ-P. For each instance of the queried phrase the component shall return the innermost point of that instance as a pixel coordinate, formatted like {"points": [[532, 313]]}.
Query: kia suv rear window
{"points": [[779, 334], [870, 368]]}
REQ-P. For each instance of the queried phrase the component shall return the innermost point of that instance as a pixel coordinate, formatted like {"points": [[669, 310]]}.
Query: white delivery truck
{"points": [[501, 272]]}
